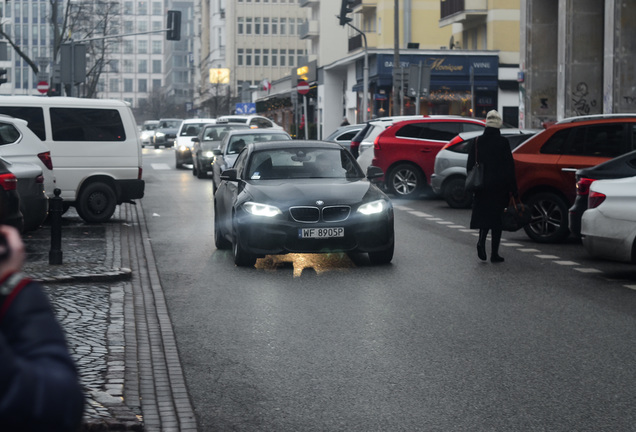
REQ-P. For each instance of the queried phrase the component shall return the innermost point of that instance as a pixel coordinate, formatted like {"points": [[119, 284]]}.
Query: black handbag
{"points": [[515, 216], [475, 177]]}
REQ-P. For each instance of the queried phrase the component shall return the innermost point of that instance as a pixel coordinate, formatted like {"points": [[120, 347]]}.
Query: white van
{"points": [[95, 149]]}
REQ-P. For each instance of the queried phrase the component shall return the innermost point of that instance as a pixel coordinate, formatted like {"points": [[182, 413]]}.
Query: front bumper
{"points": [[183, 155], [575, 214], [264, 236]]}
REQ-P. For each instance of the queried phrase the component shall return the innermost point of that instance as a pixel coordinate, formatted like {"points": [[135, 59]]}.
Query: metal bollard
{"points": [[56, 209]]}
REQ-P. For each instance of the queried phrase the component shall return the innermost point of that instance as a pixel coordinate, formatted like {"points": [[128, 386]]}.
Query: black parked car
{"points": [[619, 167], [301, 197], [10, 213]]}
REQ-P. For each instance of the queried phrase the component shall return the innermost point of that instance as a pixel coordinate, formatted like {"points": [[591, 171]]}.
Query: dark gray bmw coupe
{"points": [[301, 197]]}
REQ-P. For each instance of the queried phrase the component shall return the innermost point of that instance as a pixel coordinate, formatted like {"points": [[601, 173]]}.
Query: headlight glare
{"points": [[257, 209], [374, 207], [209, 154]]}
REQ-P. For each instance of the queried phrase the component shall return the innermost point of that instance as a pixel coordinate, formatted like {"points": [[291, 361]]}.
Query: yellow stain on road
{"points": [[319, 263]]}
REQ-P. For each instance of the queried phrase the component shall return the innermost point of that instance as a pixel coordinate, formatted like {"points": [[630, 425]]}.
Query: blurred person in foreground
{"points": [[39, 386], [492, 151]]}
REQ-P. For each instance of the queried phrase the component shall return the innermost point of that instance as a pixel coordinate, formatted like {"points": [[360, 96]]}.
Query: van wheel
{"points": [[548, 218], [96, 203], [455, 193], [405, 181]]}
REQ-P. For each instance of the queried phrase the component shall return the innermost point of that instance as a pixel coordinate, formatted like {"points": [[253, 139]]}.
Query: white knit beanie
{"points": [[493, 119]]}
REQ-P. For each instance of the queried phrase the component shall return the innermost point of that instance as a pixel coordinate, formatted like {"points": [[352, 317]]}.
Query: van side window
{"points": [[35, 117], [86, 124]]}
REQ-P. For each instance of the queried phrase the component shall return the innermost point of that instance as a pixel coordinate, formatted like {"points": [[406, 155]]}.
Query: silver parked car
{"points": [[34, 204], [450, 165]]}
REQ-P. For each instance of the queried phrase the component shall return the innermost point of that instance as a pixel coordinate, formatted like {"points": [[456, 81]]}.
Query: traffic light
{"points": [[3, 75], [344, 10], [174, 25]]}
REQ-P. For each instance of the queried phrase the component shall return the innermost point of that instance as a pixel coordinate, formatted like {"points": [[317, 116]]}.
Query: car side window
{"points": [[556, 143], [431, 131], [598, 140], [8, 134], [347, 136], [86, 124], [472, 127], [239, 165], [263, 123]]}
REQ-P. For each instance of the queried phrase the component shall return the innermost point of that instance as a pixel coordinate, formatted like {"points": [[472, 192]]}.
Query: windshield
{"points": [[191, 129], [150, 127], [303, 162], [172, 124]]}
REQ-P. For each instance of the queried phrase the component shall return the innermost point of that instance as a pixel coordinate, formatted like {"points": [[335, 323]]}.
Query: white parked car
{"points": [[608, 227], [19, 144]]}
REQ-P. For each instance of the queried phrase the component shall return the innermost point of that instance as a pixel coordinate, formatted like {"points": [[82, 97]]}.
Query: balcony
{"points": [[363, 5], [309, 29], [462, 11]]}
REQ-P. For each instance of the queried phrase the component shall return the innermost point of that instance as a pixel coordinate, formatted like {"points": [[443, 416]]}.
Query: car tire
{"points": [[455, 194], [220, 242], [242, 258], [96, 202], [382, 257], [548, 218], [201, 174], [177, 163], [405, 181]]}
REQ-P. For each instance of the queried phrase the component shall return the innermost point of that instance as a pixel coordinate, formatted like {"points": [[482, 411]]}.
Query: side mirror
{"points": [[217, 152], [195, 139], [229, 175], [374, 172]]}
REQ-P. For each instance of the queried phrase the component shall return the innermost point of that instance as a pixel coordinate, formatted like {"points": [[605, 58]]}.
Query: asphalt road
{"points": [[436, 341]]}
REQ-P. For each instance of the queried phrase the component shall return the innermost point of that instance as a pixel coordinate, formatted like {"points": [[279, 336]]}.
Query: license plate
{"points": [[305, 233]]}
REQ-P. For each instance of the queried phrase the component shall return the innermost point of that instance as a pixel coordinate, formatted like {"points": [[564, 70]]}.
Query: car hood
{"points": [[308, 191], [210, 145]]}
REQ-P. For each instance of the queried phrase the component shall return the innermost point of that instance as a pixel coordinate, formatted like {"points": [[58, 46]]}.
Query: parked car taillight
{"points": [[595, 199], [583, 186], [139, 173], [376, 143], [8, 182], [46, 159], [39, 179]]}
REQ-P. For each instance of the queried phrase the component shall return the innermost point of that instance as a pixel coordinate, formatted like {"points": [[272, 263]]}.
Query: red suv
{"points": [[406, 150], [546, 165]]}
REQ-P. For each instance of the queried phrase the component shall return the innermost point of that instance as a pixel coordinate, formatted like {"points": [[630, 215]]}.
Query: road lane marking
{"points": [[587, 270], [528, 250], [160, 166], [547, 256], [632, 287], [443, 222], [419, 214], [567, 263], [511, 244]]}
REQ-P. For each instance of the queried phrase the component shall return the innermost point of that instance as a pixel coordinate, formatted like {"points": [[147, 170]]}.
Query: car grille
{"points": [[310, 214]]}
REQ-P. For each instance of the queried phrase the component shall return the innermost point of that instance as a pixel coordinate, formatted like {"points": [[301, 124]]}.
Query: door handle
{"points": [[569, 169]]}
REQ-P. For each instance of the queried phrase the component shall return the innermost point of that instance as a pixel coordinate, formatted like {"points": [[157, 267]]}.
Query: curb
{"points": [[117, 274]]}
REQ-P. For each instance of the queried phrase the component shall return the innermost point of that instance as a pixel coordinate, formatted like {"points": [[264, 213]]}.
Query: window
{"points": [[257, 25], [257, 57], [157, 25], [239, 25], [142, 26], [142, 86], [248, 26], [156, 46], [86, 124], [114, 66], [430, 131], [292, 26], [156, 84], [128, 85], [265, 26], [598, 141], [128, 66], [142, 47], [265, 57], [128, 8], [556, 143], [128, 47], [156, 66], [292, 53], [283, 25], [113, 85], [239, 56], [128, 27], [274, 26], [35, 117], [157, 9], [142, 8], [248, 57], [143, 66], [274, 57], [283, 54]]}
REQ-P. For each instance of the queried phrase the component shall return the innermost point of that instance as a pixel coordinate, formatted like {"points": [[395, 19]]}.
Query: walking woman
{"points": [[493, 152]]}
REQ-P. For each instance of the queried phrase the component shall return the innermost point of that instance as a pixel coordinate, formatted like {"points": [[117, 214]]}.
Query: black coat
{"points": [[39, 386], [493, 152]]}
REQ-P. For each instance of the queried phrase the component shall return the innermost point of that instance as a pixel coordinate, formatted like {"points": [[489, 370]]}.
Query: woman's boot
{"points": [[481, 244], [496, 239]]}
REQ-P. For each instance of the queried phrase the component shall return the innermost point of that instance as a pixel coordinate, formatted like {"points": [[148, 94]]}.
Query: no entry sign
{"points": [[43, 87], [303, 87]]}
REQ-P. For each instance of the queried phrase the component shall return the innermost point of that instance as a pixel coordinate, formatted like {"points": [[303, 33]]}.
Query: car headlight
{"points": [[374, 207], [209, 154], [261, 209], [160, 134], [184, 148]]}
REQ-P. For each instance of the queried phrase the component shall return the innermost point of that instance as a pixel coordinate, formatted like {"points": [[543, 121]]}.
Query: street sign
{"points": [[303, 87], [43, 87]]}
